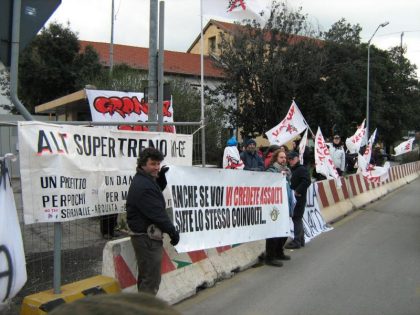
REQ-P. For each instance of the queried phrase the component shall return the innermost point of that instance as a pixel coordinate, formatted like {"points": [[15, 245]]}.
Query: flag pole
{"points": [[203, 134], [313, 135]]}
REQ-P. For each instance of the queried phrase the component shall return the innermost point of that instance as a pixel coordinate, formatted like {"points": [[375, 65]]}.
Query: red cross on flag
{"points": [[233, 9], [404, 147], [290, 127], [323, 162]]}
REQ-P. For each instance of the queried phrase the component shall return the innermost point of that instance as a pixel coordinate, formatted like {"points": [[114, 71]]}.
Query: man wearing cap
{"points": [[252, 161], [299, 183]]}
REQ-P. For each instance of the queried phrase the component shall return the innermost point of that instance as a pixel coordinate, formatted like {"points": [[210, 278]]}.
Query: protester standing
{"points": [[269, 153], [274, 247], [338, 154], [299, 183], [231, 155], [147, 219], [250, 157]]}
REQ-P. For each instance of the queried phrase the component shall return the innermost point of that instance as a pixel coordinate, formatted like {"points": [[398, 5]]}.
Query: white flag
{"points": [[302, 145], [377, 174], [404, 147], [234, 9], [12, 256], [323, 162], [354, 143], [364, 164], [290, 127]]}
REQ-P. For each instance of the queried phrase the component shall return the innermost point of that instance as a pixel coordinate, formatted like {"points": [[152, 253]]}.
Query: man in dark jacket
{"points": [[250, 157], [147, 219], [299, 183]]}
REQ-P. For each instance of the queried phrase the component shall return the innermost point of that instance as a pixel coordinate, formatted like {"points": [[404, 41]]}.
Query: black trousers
{"points": [[274, 247], [298, 211], [107, 224], [149, 260]]}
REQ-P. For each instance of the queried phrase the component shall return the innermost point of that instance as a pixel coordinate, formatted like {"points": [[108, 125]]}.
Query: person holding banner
{"points": [[274, 247], [299, 183], [148, 220]]}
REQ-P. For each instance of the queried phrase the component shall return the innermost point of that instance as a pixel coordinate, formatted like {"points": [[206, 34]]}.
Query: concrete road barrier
{"points": [[183, 274]]}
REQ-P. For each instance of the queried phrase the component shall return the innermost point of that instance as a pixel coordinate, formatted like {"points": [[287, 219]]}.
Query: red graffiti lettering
{"points": [[124, 106]]}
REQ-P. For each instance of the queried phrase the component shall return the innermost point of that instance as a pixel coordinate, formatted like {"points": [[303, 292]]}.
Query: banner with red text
{"points": [[73, 172], [404, 147], [290, 127], [364, 160], [354, 143], [323, 161], [115, 106], [217, 207]]}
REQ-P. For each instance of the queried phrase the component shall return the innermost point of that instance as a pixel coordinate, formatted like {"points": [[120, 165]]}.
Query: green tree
{"points": [[53, 66], [122, 78], [266, 67]]}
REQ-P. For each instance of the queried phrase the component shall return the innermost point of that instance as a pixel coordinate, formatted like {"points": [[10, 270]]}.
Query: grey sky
{"points": [[92, 20]]}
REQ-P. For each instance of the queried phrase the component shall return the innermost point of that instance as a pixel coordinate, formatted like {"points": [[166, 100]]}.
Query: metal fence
{"points": [[82, 242]]}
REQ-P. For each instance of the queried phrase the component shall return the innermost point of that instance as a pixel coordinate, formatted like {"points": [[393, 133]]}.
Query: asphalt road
{"points": [[369, 264]]}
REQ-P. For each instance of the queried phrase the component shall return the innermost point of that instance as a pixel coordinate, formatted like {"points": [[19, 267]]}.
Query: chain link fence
{"points": [[82, 240]]}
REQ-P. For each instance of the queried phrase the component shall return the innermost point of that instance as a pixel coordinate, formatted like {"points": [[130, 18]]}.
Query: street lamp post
{"points": [[368, 75]]}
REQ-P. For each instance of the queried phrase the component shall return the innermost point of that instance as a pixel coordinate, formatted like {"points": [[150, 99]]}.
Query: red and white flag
{"points": [[290, 127], [404, 147], [354, 143], [377, 174], [373, 173], [302, 145], [323, 162], [364, 160], [234, 9]]}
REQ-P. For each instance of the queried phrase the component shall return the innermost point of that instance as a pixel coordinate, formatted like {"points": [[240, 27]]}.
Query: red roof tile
{"points": [[138, 57]]}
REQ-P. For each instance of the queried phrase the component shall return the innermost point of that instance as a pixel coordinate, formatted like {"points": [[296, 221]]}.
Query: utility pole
{"points": [[161, 64], [152, 77], [111, 46]]}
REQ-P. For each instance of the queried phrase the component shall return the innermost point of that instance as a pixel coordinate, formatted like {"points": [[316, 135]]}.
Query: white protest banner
{"points": [[313, 221], [72, 172], [377, 174], [302, 145], [364, 161], [354, 143], [404, 147], [290, 127], [12, 256], [323, 162], [217, 207], [115, 106]]}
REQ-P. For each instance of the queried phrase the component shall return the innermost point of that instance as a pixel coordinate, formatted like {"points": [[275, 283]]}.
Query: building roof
{"points": [[232, 27], [224, 26], [138, 57]]}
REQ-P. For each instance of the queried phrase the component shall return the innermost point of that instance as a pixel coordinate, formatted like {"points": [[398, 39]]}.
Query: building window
{"points": [[212, 45]]}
